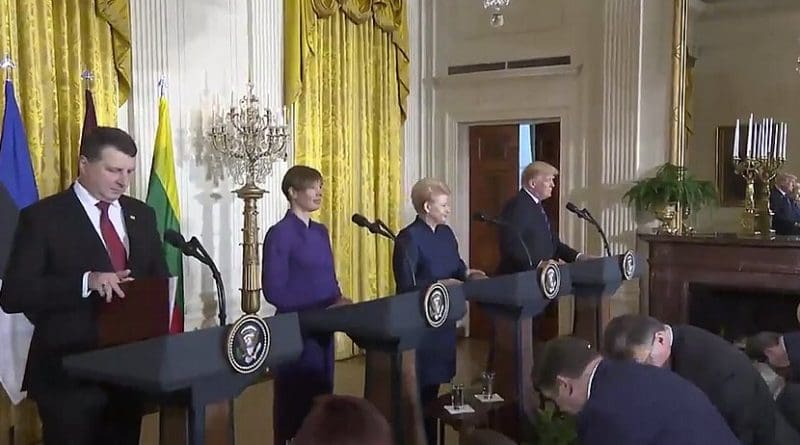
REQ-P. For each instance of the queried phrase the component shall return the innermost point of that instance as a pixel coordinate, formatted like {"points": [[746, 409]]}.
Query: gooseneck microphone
{"points": [[194, 249], [378, 227], [585, 215], [478, 216]]}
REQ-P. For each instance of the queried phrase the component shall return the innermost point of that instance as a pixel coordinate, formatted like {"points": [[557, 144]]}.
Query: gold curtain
{"points": [[346, 75], [52, 42]]}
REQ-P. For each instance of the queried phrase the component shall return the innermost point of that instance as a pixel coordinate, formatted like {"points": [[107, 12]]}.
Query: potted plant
{"points": [[672, 185]]}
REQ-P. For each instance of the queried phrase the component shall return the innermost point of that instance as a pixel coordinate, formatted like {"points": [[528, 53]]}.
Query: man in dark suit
{"points": [[717, 367], [626, 403], [786, 220], [782, 353], [528, 224], [71, 252]]}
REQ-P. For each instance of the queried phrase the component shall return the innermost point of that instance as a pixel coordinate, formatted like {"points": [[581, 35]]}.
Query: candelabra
{"points": [[247, 141], [764, 155]]}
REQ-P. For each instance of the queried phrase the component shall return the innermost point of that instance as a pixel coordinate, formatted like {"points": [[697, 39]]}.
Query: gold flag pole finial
{"points": [[7, 65], [87, 77]]}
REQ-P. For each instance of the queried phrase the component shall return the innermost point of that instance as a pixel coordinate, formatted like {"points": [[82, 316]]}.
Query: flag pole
{"points": [[7, 64]]}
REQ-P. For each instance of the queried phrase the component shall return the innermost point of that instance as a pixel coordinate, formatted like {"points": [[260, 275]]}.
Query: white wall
{"points": [[612, 100], [201, 47], [745, 64]]}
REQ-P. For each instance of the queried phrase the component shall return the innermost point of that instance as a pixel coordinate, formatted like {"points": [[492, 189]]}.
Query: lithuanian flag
{"points": [[162, 196]]}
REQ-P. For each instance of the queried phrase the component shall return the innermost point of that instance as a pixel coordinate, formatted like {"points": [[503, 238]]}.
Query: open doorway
{"points": [[497, 155]]}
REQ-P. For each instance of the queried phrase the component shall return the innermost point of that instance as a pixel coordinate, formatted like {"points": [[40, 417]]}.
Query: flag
{"points": [[90, 117], [17, 190], [162, 196]]}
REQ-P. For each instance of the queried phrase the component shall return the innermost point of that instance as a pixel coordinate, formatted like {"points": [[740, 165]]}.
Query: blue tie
{"points": [[544, 214]]}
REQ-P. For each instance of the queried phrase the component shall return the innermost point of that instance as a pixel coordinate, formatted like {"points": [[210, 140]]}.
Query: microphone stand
{"points": [[483, 218], [380, 228], [215, 274], [588, 216]]}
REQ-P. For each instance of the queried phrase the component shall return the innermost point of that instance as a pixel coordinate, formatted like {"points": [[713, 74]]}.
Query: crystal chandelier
{"points": [[496, 6], [248, 140]]}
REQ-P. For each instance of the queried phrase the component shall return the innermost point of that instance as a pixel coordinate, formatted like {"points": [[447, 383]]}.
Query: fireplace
{"points": [[735, 313], [731, 285]]}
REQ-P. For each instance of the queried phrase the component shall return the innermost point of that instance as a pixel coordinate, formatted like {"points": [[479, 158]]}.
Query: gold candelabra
{"points": [[247, 141], [760, 160]]}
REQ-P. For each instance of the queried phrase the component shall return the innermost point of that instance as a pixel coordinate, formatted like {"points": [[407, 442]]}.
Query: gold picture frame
{"points": [[730, 185]]}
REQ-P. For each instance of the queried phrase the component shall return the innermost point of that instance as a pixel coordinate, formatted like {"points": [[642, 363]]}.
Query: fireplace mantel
{"points": [[719, 260]]}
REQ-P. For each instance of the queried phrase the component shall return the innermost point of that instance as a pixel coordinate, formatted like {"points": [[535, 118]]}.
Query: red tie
{"points": [[116, 250]]}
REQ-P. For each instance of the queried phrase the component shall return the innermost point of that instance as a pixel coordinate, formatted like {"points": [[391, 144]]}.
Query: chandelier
{"points": [[496, 6], [248, 140]]}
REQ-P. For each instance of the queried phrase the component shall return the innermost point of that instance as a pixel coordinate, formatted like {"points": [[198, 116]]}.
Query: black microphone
{"points": [[584, 214], [194, 249], [380, 228], [478, 216]]}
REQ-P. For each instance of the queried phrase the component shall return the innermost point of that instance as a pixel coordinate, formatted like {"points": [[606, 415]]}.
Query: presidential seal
{"points": [[436, 305], [248, 344], [628, 265], [550, 280]]}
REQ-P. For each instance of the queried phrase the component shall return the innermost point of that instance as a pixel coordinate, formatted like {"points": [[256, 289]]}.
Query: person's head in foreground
{"points": [[640, 338], [768, 347], [343, 420], [562, 373], [486, 437]]}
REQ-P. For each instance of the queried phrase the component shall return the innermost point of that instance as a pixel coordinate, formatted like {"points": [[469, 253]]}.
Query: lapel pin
{"points": [[132, 217]]}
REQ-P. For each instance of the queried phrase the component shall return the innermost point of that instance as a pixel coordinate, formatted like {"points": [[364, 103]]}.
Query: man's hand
{"points": [[475, 274], [107, 283]]}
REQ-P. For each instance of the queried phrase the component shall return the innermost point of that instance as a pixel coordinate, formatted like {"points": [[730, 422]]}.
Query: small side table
{"points": [[483, 417]]}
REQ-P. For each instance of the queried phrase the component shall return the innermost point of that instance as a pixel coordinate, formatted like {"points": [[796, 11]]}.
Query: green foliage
{"points": [[554, 428], [671, 184]]}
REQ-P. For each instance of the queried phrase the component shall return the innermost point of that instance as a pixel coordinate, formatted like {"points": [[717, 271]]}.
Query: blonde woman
{"points": [[426, 251]]}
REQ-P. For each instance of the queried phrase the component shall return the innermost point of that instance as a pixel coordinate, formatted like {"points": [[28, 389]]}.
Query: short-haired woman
{"points": [[426, 251], [298, 274]]}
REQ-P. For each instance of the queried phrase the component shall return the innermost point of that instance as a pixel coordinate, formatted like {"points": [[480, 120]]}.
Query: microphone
{"points": [[584, 214], [380, 228], [194, 249], [478, 216], [362, 221]]}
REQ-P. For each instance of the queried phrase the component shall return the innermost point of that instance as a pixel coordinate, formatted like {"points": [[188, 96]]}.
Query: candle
{"points": [[233, 100], [736, 142], [750, 137], [785, 137], [767, 137]]}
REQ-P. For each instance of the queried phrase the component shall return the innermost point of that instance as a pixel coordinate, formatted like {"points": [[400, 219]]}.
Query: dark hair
{"points": [[625, 333], [563, 356], [754, 346], [300, 177], [486, 437], [343, 420], [102, 137]]}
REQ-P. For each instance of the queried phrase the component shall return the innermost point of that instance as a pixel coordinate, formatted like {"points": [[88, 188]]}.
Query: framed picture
{"points": [[730, 185]]}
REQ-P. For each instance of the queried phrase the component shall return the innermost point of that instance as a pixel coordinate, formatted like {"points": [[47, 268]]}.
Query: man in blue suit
{"points": [[786, 220], [527, 238], [626, 403]]}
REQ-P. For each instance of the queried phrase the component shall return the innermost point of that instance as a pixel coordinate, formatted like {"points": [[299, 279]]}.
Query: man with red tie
{"points": [[71, 252]]}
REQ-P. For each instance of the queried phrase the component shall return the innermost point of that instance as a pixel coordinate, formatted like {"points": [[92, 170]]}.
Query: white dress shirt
{"points": [[591, 380], [89, 204]]}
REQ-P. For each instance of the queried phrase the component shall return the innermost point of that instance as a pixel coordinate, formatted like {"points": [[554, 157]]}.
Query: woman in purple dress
{"points": [[298, 274]]}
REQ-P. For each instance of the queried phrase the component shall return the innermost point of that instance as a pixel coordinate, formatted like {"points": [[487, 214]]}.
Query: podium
{"points": [[593, 281], [512, 301], [186, 371], [390, 329]]}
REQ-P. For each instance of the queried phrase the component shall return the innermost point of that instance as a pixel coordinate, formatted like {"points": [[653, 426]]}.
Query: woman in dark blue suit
{"points": [[431, 254]]}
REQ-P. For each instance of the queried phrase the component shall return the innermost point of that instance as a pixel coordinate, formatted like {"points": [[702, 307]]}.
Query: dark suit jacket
{"points": [[792, 343], [525, 218], [55, 244], [633, 404], [731, 382], [787, 213]]}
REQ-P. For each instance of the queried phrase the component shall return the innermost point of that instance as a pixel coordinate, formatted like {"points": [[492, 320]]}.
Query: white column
{"points": [[620, 130], [201, 47]]}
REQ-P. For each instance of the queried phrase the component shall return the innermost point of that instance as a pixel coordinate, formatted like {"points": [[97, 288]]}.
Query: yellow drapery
{"points": [[52, 42], [346, 75]]}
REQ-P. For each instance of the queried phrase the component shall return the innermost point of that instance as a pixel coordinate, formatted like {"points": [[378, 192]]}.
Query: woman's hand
{"points": [[341, 302]]}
